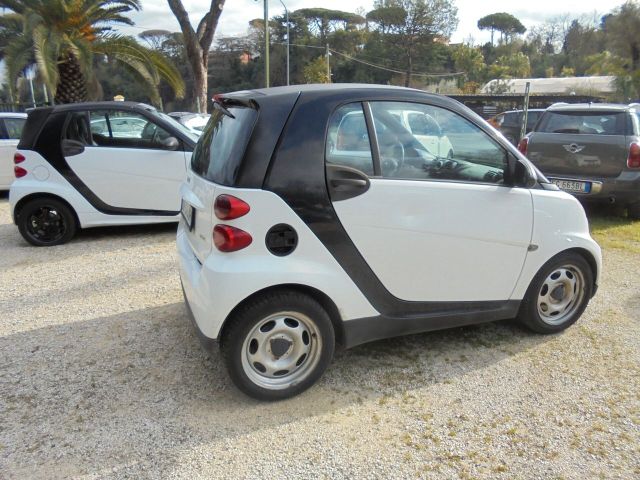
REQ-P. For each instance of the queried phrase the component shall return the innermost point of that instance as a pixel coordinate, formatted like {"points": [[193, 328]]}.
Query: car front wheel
{"points": [[558, 294], [278, 345]]}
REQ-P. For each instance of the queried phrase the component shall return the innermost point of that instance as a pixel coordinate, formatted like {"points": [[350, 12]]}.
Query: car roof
{"points": [[594, 107], [13, 115], [520, 111], [67, 107], [328, 89]]}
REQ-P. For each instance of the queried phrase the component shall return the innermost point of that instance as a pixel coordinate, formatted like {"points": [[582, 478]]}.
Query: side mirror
{"points": [[72, 147], [520, 174], [170, 143]]}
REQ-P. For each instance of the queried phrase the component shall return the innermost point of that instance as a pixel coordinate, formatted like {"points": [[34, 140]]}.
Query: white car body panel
{"points": [[441, 241], [51, 182], [132, 177], [560, 224], [7, 150], [218, 284]]}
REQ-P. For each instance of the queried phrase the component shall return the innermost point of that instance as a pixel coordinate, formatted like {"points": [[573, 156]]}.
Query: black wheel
{"points": [[44, 222], [558, 294], [278, 345], [633, 211]]}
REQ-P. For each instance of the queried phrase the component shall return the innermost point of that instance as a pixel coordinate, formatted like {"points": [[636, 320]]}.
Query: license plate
{"points": [[188, 214], [573, 185]]}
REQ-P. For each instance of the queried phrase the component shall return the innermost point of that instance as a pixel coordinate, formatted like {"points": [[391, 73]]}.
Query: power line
{"points": [[373, 65]]}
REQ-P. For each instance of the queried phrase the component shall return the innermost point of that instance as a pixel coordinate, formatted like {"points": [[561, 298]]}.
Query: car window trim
{"points": [[373, 139]]}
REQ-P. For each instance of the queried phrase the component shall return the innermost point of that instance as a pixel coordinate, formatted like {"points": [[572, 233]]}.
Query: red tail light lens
{"points": [[230, 239], [228, 207], [523, 145], [633, 160], [19, 172], [18, 158]]}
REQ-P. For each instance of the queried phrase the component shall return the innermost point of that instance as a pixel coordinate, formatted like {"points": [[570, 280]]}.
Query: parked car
{"points": [[93, 164], [288, 244], [194, 121], [510, 123], [590, 150], [11, 125]]}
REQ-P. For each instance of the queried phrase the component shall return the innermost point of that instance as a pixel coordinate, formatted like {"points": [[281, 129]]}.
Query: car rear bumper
{"points": [[624, 189]]}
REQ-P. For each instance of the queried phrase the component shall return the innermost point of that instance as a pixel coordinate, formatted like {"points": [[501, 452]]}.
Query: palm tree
{"points": [[62, 37]]}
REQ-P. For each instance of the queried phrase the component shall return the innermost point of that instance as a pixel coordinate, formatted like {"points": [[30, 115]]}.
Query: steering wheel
{"points": [[393, 162]]}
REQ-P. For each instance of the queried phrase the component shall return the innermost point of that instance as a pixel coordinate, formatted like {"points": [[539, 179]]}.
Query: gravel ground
{"points": [[101, 376]]}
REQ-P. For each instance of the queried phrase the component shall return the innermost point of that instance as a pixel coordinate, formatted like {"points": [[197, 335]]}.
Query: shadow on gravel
{"points": [[89, 397]]}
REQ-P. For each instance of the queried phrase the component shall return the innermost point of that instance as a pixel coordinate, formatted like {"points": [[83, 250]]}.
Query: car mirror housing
{"points": [[170, 143]]}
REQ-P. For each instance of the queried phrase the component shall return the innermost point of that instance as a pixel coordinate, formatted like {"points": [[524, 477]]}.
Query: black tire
{"points": [[245, 337], [45, 222], [531, 313], [633, 211]]}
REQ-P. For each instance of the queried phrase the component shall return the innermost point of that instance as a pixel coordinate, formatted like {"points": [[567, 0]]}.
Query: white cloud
{"points": [[237, 13]]}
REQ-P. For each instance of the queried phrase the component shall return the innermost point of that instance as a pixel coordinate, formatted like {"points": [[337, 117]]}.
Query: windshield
{"points": [[186, 130]]}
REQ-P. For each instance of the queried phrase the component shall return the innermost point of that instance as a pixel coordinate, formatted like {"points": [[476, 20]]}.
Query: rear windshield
{"points": [[218, 154], [586, 123]]}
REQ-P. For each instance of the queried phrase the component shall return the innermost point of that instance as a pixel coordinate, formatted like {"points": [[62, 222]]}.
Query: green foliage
{"points": [[470, 60], [502, 22], [316, 71], [62, 37]]}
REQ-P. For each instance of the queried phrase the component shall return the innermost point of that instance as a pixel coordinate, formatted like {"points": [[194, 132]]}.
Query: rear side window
{"points": [[219, 152], [14, 127], [584, 123], [348, 139]]}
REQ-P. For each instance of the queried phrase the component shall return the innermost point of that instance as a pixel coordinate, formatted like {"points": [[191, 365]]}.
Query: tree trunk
{"points": [[197, 44], [407, 80], [72, 85]]}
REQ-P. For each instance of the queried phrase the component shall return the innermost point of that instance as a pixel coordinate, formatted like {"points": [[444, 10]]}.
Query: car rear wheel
{"points": [[45, 222], [558, 294], [278, 345], [633, 211]]}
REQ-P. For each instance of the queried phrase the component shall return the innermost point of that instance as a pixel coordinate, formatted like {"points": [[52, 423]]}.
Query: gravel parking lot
{"points": [[101, 376]]}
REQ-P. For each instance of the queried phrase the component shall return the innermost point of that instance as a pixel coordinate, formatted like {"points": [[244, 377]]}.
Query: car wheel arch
{"points": [[588, 257], [40, 195], [322, 298]]}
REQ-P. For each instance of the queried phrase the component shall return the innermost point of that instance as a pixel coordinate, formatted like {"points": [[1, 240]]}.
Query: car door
{"points": [[433, 229], [10, 130], [126, 159]]}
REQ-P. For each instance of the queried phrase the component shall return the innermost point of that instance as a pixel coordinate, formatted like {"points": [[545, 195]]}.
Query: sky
{"points": [[237, 13]]}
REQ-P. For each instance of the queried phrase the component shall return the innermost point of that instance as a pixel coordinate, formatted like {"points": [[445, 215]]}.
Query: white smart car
{"points": [[312, 215], [95, 164], [11, 125]]}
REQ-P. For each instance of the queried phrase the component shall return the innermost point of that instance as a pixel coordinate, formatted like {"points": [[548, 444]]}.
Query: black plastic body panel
{"points": [[363, 330]]}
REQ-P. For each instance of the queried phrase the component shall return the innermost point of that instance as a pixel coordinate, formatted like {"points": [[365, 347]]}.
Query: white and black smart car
{"points": [[313, 216], [96, 164]]}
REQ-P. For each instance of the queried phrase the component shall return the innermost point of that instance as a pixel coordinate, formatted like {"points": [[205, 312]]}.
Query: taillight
{"points": [[230, 239], [228, 207], [523, 144], [633, 160], [18, 158], [19, 172]]}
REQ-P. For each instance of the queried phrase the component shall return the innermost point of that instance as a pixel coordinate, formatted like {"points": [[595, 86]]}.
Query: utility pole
{"points": [[525, 111], [328, 66], [286, 11], [266, 43]]}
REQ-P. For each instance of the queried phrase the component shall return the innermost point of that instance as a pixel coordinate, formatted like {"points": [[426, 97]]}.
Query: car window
{"points": [[220, 150], [584, 123], [455, 150], [14, 127], [77, 128], [124, 129], [348, 139]]}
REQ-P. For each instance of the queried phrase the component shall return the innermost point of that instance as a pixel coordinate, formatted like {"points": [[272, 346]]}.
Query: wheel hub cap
{"points": [[560, 295], [280, 346]]}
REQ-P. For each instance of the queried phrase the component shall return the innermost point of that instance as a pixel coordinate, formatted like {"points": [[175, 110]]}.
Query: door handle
{"points": [[346, 182], [351, 182]]}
